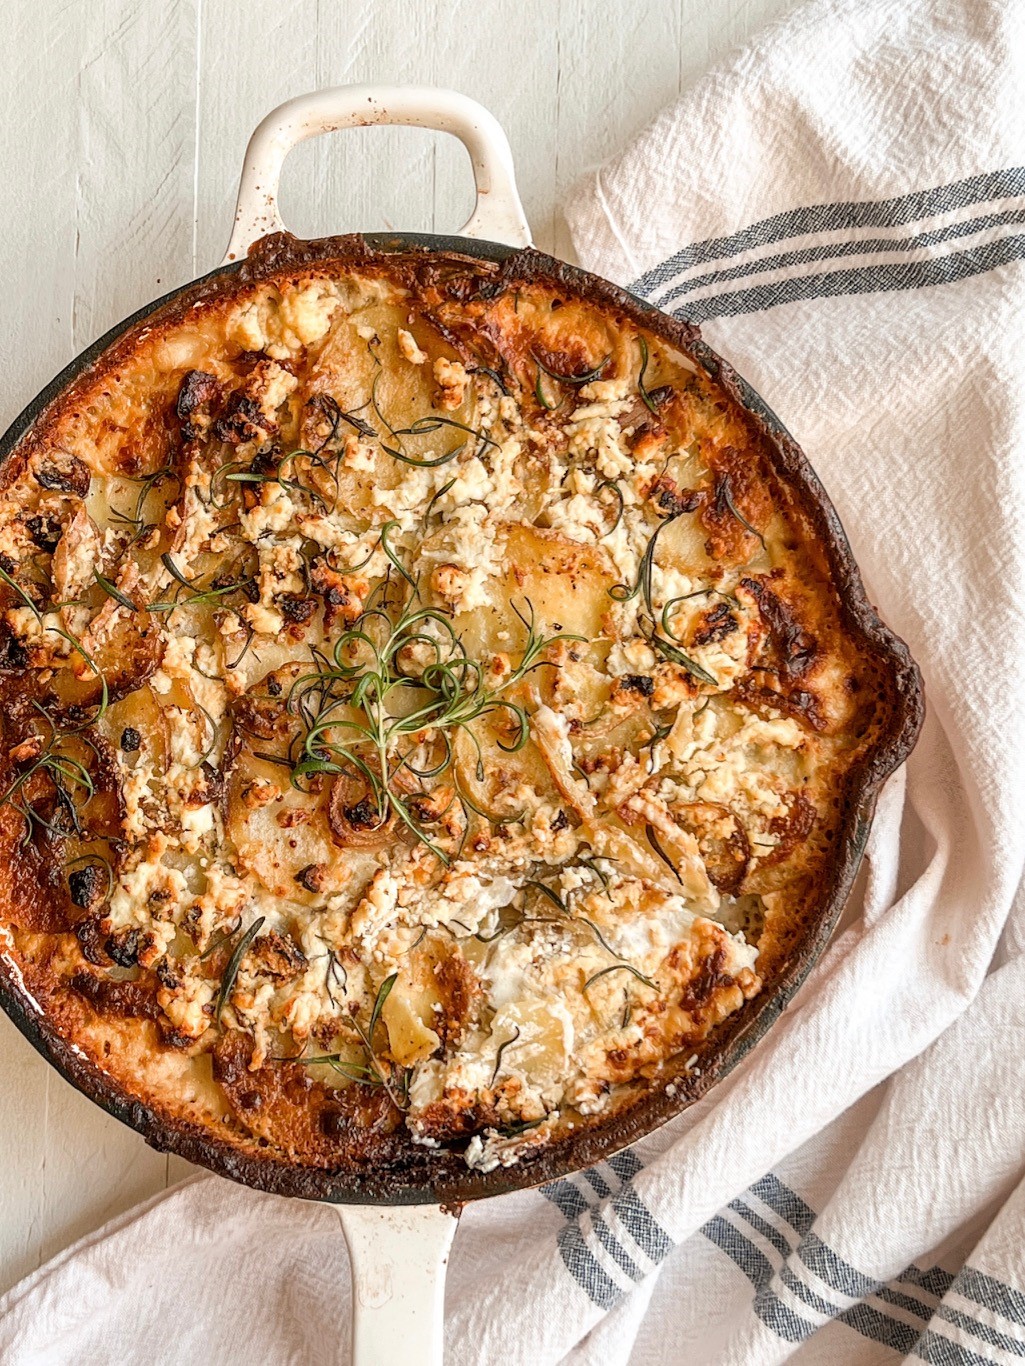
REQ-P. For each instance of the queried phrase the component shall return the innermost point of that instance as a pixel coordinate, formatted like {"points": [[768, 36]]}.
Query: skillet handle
{"points": [[498, 215], [399, 1256]]}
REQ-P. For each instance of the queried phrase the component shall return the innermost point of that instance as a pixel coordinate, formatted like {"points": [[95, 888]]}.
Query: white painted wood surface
{"points": [[124, 127]]}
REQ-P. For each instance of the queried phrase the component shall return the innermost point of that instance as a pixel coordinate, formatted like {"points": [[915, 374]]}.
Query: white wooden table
{"points": [[124, 126]]}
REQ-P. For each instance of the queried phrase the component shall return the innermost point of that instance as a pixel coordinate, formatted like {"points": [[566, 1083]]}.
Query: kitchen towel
{"points": [[841, 208]]}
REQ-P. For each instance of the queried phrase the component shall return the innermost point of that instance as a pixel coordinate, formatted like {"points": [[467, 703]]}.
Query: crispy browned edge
{"points": [[441, 1176]]}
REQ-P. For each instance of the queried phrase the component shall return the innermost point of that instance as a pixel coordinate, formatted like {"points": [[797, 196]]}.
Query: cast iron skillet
{"points": [[496, 232]]}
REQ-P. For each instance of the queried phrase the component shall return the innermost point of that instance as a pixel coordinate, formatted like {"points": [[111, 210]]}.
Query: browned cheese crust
{"points": [[431, 712]]}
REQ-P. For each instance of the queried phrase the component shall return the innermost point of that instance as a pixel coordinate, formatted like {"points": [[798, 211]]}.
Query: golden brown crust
{"points": [[778, 637]]}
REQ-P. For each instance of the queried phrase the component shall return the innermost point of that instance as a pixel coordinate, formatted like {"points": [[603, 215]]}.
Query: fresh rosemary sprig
{"points": [[148, 483], [686, 597], [67, 774], [218, 940], [425, 426], [13, 583], [196, 595], [675, 655], [540, 395], [353, 1071], [600, 874], [376, 1072], [438, 493], [79, 649], [573, 917], [394, 559], [550, 893], [358, 706], [657, 736], [574, 381], [623, 592], [667, 647], [383, 992]]}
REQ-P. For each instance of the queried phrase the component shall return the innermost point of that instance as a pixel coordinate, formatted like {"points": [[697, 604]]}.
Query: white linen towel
{"points": [[841, 207]]}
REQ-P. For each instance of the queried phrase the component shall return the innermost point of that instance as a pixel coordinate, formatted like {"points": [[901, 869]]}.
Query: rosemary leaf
{"points": [[112, 591], [383, 992], [234, 963], [364, 428], [623, 592], [614, 486], [423, 464], [653, 840], [620, 967], [592, 863], [676, 656], [726, 493], [539, 393], [218, 941], [506, 1043], [438, 493], [6, 578], [574, 380], [552, 895], [389, 551]]}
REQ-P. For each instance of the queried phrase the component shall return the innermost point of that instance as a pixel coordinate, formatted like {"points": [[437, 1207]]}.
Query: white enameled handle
{"points": [[398, 1255], [498, 214]]}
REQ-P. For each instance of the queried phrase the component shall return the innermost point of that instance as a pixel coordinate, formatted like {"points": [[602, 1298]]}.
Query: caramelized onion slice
{"points": [[722, 840], [354, 815]]}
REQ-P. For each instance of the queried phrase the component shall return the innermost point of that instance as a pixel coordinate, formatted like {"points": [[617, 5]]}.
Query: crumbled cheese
{"points": [[185, 1005], [197, 821], [579, 517], [273, 513], [594, 431], [179, 653], [45, 631], [408, 347], [377, 906], [473, 482], [278, 384], [305, 314], [149, 895], [463, 895], [735, 769], [634, 656], [469, 543], [359, 456], [265, 620], [452, 379]]}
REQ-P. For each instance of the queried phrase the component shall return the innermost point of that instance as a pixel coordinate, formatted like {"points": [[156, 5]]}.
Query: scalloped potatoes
{"points": [[428, 712]]}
